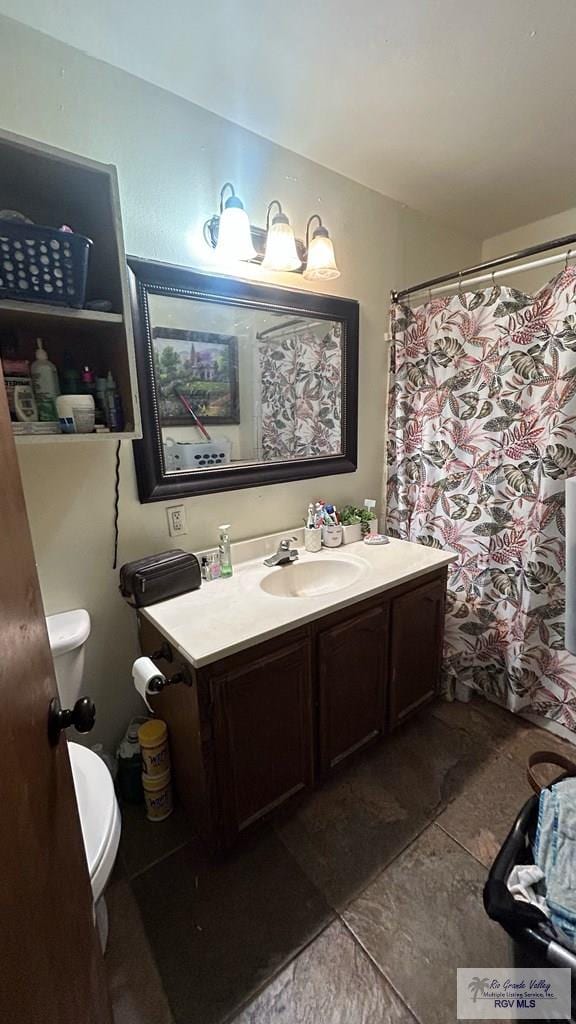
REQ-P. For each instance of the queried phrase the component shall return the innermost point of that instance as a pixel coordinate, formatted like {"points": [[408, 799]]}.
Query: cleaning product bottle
{"points": [[101, 396], [115, 417], [88, 382], [70, 376], [224, 549], [45, 383]]}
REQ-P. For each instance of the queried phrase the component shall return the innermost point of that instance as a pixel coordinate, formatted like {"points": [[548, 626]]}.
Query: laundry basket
{"points": [[536, 941]]}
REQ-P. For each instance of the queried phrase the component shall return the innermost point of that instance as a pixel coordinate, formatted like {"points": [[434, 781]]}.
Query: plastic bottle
{"points": [[88, 384], [70, 377], [224, 549], [115, 418], [130, 764], [45, 384], [101, 406]]}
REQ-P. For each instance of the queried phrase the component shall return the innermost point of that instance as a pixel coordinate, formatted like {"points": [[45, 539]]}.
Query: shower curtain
{"points": [[481, 436], [300, 394]]}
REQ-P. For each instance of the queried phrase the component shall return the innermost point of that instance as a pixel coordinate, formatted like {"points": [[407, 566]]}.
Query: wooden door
{"points": [[352, 684], [416, 649], [263, 743], [51, 967]]}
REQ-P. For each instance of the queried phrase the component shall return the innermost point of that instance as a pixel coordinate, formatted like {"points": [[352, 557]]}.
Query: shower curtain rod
{"points": [[458, 275], [291, 323]]}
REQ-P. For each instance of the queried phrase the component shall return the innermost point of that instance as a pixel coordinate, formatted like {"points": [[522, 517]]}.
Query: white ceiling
{"points": [[465, 109]]}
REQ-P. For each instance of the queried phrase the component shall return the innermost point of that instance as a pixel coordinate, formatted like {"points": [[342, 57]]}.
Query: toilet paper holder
{"points": [[160, 682], [150, 681]]}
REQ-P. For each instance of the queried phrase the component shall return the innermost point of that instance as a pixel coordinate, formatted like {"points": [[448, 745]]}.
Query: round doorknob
{"points": [[82, 716]]}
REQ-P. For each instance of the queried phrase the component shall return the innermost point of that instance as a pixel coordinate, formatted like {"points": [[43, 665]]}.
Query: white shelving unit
{"points": [[54, 187]]}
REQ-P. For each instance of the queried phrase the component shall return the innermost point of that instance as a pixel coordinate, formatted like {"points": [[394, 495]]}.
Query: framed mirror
{"points": [[240, 384]]}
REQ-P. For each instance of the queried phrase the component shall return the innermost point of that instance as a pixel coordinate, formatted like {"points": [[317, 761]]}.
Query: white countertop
{"points": [[227, 615]]}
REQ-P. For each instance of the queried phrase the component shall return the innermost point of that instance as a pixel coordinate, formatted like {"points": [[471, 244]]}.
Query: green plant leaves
{"points": [[540, 576], [559, 461]]}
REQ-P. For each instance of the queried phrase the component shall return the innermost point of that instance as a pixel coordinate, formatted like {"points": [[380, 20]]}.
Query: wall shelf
{"points": [[53, 187], [64, 439], [16, 314]]}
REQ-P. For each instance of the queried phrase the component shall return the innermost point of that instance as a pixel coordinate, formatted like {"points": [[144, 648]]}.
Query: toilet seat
{"points": [[99, 814]]}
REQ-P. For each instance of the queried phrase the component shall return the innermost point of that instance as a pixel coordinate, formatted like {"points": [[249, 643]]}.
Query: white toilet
{"points": [[97, 803]]}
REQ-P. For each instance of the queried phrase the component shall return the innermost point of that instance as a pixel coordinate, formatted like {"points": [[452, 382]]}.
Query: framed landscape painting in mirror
{"points": [[241, 384]]}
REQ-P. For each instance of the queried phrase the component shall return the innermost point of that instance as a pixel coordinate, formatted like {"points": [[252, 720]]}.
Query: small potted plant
{"points": [[368, 521], [351, 519]]}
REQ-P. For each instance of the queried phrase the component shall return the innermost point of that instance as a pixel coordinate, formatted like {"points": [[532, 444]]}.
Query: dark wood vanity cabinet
{"points": [[417, 631], [262, 731], [351, 672], [252, 730]]}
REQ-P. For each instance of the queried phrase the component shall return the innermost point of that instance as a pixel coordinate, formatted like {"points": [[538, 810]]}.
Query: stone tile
{"points": [[503, 731], [331, 982], [220, 930], [422, 918], [144, 842], [134, 984], [492, 725], [345, 833], [483, 814]]}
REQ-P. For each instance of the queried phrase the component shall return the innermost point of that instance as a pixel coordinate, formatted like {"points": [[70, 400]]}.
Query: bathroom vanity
{"points": [[288, 671]]}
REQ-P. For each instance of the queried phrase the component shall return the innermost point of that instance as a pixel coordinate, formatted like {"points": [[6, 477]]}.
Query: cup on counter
{"points": [[76, 413], [312, 539], [332, 536]]}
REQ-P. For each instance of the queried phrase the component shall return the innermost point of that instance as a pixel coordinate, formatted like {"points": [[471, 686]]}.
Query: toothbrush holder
{"points": [[312, 539], [332, 536]]}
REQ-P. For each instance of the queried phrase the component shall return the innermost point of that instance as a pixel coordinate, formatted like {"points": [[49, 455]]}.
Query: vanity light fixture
{"points": [[233, 238], [320, 258], [281, 252], [230, 235]]}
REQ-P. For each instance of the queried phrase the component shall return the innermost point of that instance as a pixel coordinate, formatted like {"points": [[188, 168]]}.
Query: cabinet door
{"points": [[416, 649], [263, 734], [352, 670]]}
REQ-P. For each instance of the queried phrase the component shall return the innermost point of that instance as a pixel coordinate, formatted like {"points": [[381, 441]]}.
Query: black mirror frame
{"points": [[154, 484]]}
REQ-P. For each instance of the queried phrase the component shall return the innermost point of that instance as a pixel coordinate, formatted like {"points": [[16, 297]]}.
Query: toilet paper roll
{"points": [[145, 674], [570, 640]]}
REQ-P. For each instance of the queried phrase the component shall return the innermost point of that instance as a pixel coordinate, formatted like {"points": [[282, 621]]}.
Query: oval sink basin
{"points": [[311, 578]]}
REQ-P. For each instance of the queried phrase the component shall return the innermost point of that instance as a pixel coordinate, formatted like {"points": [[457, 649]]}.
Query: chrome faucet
{"points": [[284, 555]]}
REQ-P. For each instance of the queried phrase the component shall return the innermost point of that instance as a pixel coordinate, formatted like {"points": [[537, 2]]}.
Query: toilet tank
{"points": [[68, 633]]}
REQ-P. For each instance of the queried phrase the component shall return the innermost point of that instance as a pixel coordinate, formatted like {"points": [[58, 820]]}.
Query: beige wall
{"points": [[557, 226], [172, 159]]}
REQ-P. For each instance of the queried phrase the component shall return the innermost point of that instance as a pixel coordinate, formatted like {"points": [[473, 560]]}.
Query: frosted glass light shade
{"points": [[234, 237], [321, 263], [281, 253]]}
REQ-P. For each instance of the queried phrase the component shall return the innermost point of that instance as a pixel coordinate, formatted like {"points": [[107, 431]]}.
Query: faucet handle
{"points": [[285, 543]]}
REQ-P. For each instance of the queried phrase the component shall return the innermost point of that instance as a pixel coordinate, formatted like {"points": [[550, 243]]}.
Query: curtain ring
{"points": [[429, 295], [567, 258], [459, 282], [493, 280]]}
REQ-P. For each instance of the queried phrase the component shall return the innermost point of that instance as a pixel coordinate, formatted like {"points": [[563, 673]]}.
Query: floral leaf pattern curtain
{"points": [[301, 394], [482, 434]]}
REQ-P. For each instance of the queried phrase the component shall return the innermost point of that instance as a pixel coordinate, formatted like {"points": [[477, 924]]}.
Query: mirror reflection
{"points": [[243, 385]]}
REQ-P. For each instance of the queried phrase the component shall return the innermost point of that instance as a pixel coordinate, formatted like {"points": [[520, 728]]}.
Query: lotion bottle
{"points": [[44, 384]]}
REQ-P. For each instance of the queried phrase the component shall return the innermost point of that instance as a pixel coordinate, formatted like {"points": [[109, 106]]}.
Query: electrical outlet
{"points": [[176, 520]]}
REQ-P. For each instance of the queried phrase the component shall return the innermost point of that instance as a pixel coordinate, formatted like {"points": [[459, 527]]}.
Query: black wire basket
{"points": [[39, 264]]}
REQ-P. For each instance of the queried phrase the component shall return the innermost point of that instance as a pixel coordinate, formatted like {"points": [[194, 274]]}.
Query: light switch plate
{"points": [[177, 526]]}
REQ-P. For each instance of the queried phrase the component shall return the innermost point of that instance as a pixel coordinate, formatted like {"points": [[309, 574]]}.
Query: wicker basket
{"points": [[40, 264]]}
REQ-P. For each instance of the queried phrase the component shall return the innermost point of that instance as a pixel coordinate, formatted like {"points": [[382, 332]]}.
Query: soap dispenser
{"points": [[224, 549]]}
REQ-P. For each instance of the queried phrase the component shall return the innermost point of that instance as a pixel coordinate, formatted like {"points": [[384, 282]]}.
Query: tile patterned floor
{"points": [[355, 908]]}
